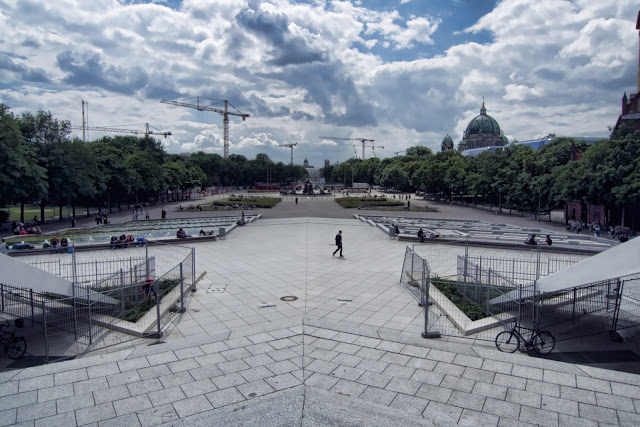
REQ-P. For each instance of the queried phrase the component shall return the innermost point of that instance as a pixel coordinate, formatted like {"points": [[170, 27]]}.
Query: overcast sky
{"points": [[401, 72]]}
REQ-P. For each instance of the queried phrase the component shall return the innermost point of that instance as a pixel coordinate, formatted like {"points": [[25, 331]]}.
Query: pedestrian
{"points": [[73, 222], [164, 214], [4, 248], [408, 205], [548, 241], [338, 244], [147, 216], [421, 234], [296, 200]]}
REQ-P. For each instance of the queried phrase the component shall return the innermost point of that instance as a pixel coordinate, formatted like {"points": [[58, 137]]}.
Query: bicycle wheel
{"points": [[16, 347], [507, 341], [543, 342]]}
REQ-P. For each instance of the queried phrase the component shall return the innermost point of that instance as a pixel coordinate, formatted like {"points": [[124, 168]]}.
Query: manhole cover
{"points": [[344, 301], [289, 298], [216, 289]]}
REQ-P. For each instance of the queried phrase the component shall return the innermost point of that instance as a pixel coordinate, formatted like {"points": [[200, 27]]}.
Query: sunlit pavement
{"points": [[347, 350]]}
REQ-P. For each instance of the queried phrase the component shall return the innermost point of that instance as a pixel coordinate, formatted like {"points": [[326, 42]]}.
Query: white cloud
{"points": [[308, 69]]}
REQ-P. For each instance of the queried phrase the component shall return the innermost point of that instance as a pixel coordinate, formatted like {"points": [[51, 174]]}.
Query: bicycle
{"points": [[541, 341], [14, 346]]}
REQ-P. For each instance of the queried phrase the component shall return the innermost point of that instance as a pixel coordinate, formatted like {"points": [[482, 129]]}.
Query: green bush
{"points": [[354, 202], [260, 202], [134, 306], [449, 290]]}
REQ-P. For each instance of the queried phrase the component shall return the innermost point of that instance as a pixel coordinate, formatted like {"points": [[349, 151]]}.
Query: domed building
{"points": [[482, 131], [447, 143]]}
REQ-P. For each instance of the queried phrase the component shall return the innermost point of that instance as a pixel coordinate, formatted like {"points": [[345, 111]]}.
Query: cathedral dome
{"points": [[483, 124], [447, 140]]}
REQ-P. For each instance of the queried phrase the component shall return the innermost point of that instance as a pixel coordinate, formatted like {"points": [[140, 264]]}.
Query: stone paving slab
{"points": [[417, 384], [311, 369]]}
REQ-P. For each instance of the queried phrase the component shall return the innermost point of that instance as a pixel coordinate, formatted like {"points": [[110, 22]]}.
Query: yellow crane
{"points": [[225, 114], [362, 140], [290, 146], [146, 130]]}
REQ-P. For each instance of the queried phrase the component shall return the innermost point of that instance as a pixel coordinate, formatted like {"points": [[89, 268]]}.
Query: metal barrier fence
{"points": [[508, 272], [101, 314], [443, 259], [488, 295], [72, 267]]}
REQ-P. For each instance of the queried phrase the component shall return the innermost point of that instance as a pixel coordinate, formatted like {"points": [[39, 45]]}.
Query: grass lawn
{"points": [[378, 202], [34, 210], [257, 201]]}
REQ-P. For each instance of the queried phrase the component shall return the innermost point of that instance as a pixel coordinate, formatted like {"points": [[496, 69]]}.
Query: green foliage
{"points": [[449, 290], [354, 202], [136, 309], [260, 202]]}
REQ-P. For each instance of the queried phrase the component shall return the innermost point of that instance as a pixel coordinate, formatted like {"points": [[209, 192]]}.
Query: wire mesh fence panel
{"points": [[413, 275], [118, 299], [629, 309], [443, 260], [83, 268]]}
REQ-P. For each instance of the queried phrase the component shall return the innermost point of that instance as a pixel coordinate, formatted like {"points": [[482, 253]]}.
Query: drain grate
{"points": [[289, 298]]}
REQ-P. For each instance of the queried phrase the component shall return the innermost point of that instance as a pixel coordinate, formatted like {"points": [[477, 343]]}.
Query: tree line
{"points": [[41, 164], [516, 176]]}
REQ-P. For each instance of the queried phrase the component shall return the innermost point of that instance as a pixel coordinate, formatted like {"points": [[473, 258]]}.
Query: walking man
{"points": [[338, 244]]}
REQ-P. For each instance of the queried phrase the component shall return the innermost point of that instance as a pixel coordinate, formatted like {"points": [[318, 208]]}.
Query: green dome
{"points": [[483, 124], [505, 140], [447, 139]]}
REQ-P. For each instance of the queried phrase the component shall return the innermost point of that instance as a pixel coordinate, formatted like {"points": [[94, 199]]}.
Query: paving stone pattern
{"points": [[347, 351]]}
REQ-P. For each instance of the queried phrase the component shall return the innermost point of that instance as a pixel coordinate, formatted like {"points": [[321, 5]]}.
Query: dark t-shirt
{"points": [[338, 239]]}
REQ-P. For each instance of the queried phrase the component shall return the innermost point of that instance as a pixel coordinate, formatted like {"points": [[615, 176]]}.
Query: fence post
{"points": [[122, 305], [130, 270], [520, 303], [146, 258], [73, 292], [158, 302], [538, 263], [97, 271], [2, 294], [32, 308], [182, 309], [89, 314], [466, 259], [46, 339], [426, 278], [193, 269]]}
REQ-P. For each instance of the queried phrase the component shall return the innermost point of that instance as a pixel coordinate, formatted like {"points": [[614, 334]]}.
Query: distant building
{"points": [[482, 131], [447, 143], [630, 109], [327, 163], [306, 163]]}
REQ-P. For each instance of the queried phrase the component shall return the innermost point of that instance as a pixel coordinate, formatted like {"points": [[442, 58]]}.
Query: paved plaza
{"points": [[280, 332]]}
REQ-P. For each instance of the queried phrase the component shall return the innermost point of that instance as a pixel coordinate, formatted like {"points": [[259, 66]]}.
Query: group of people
{"points": [[101, 218], [124, 240], [19, 229], [531, 240], [54, 243]]}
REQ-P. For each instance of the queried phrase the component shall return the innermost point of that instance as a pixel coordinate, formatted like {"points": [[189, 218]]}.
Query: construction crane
{"points": [[225, 114], [146, 130], [363, 140], [290, 146], [373, 148], [399, 152]]}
